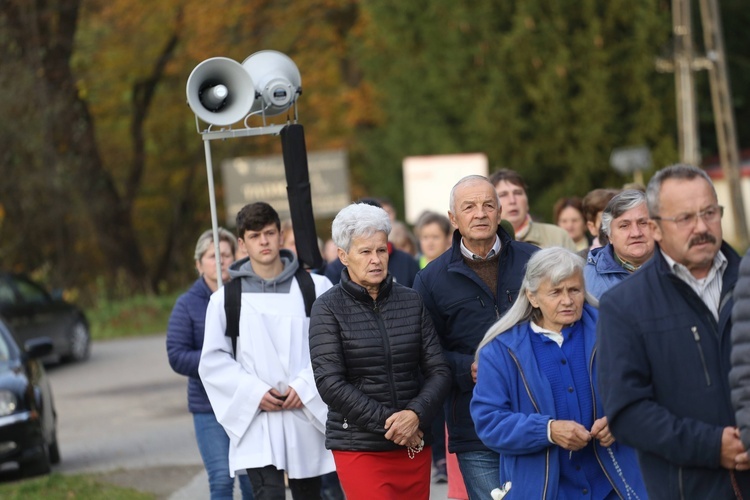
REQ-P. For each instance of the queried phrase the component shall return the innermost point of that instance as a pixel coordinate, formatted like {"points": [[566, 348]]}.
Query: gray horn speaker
{"points": [[276, 78], [220, 91]]}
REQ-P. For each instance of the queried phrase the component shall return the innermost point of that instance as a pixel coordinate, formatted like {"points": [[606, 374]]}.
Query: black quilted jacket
{"points": [[372, 359]]}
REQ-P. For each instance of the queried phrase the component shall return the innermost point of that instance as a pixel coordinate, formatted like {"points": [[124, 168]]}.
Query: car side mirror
{"points": [[38, 347]]}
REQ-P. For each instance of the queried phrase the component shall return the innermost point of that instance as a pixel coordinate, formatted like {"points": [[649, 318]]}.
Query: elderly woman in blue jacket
{"points": [[536, 402], [184, 344]]}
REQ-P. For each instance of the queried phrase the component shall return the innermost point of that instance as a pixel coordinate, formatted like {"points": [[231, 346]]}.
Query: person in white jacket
{"points": [[265, 397]]}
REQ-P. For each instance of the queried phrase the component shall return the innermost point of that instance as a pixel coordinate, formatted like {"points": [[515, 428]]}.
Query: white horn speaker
{"points": [[276, 78], [220, 91]]}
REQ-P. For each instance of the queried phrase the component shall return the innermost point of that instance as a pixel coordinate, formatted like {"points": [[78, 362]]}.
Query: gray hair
{"points": [[678, 171], [357, 220], [206, 239], [466, 180], [554, 264], [619, 204]]}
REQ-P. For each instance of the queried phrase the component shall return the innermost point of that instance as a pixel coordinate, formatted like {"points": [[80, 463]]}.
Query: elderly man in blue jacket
{"points": [[466, 290], [664, 347]]}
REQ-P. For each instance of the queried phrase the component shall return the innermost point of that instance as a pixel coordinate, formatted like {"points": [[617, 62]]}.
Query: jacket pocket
{"points": [[466, 300]]}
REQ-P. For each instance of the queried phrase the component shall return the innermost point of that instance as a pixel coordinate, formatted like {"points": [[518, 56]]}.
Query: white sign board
{"points": [[251, 179], [428, 180]]}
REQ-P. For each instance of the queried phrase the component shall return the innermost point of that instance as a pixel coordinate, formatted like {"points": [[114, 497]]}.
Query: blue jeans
{"points": [[481, 472], [213, 444]]}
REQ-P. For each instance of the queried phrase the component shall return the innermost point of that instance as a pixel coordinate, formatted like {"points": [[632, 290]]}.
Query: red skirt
{"points": [[384, 475]]}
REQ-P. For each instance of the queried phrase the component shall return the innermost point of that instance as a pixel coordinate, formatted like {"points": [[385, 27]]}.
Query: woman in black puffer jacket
{"points": [[378, 365]]}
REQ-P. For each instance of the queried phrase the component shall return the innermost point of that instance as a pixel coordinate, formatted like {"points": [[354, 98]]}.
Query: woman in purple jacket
{"points": [[184, 344]]}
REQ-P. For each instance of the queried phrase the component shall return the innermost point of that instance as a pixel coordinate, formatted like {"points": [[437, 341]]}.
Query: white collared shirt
{"points": [[556, 337], [708, 288], [471, 255]]}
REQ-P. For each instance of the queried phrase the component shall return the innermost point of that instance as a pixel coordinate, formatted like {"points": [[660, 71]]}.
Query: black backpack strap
{"points": [[232, 303], [307, 285]]}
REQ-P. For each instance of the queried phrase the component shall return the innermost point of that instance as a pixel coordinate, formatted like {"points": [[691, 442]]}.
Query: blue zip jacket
{"points": [[462, 309], [512, 404], [602, 271], [663, 376], [185, 341]]}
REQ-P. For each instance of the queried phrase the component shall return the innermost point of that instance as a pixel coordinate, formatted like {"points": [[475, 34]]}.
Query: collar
{"points": [[556, 337], [359, 292], [471, 255], [719, 265], [631, 268]]}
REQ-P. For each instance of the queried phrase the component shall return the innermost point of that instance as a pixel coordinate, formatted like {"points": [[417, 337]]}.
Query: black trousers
{"points": [[268, 484]]}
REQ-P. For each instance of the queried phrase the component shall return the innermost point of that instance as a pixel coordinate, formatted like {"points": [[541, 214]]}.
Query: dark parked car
{"points": [[32, 312], [28, 421]]}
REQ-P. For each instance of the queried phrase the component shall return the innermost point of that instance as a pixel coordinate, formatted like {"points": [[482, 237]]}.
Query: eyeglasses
{"points": [[709, 215]]}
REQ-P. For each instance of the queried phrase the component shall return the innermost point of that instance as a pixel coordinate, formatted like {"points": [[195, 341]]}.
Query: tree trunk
{"points": [[71, 130]]}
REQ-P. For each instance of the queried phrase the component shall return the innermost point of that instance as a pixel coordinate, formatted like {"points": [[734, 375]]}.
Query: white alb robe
{"points": [[272, 352]]}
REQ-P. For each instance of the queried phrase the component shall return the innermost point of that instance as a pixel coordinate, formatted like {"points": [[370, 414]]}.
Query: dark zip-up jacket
{"points": [[663, 378], [372, 358], [463, 308], [185, 341]]}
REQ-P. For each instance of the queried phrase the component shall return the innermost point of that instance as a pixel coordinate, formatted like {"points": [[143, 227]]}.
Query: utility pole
{"points": [[726, 131], [683, 64], [687, 121]]}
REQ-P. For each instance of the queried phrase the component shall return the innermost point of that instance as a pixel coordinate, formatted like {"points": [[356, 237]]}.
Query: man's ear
{"points": [[452, 218], [655, 230]]}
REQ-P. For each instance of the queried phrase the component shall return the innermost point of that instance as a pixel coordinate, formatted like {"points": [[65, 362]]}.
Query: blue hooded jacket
{"points": [[512, 404], [602, 271]]}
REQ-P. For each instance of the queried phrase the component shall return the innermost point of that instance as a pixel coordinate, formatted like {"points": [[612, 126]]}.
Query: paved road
{"points": [[125, 410]]}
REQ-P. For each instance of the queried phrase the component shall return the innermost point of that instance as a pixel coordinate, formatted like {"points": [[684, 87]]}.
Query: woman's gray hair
{"points": [[206, 239], [621, 203], [555, 264], [678, 171], [358, 220]]}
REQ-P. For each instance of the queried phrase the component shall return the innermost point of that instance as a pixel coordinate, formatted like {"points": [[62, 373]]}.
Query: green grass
{"points": [[57, 486], [131, 317]]}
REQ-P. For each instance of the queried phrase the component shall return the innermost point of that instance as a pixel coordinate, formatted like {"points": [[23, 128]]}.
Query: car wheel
{"points": [[54, 452], [80, 342], [38, 467]]}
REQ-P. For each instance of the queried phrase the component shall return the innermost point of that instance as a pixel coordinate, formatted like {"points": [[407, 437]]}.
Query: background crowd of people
{"points": [[588, 357]]}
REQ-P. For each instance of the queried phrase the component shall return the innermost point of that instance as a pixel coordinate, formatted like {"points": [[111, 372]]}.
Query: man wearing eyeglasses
{"points": [[664, 346]]}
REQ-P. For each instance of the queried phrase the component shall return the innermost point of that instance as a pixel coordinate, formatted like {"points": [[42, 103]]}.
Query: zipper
{"points": [[697, 338], [593, 443], [536, 407], [510, 296], [388, 354], [680, 485]]}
